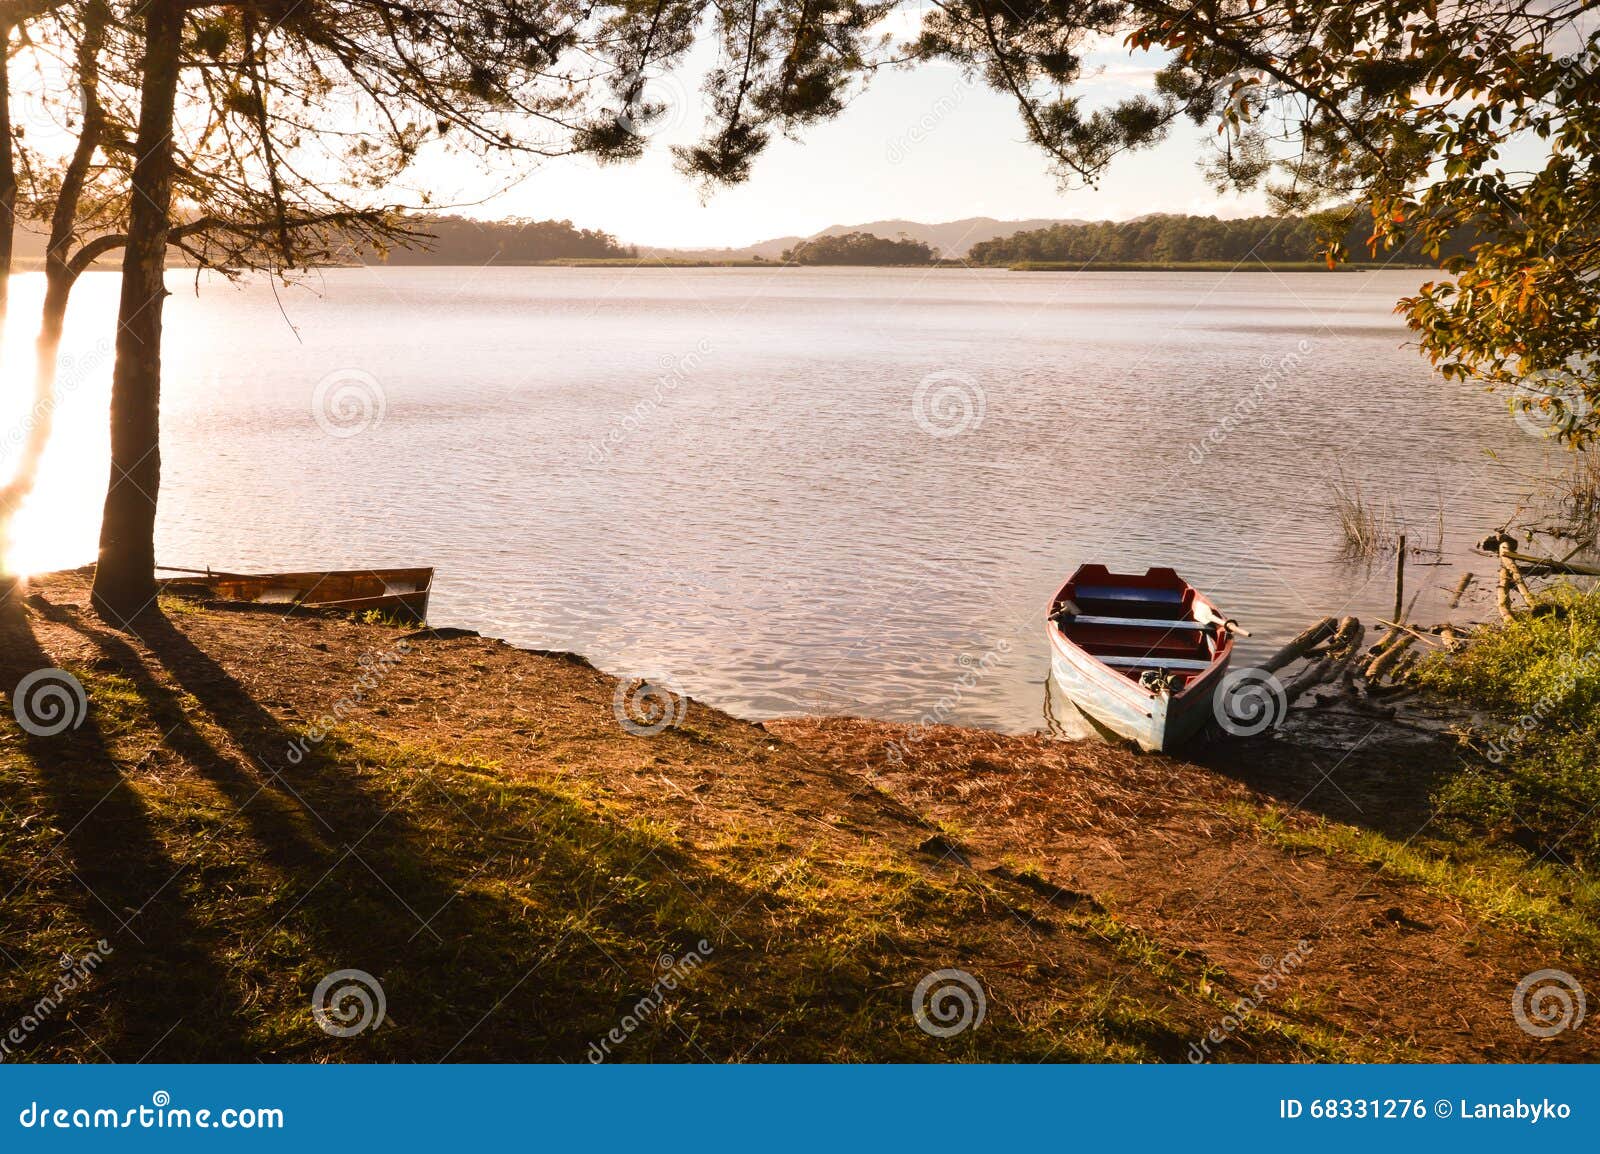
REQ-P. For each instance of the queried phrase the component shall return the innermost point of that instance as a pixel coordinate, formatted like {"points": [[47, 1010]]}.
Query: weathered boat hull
{"points": [[1149, 721], [398, 593], [1095, 659]]}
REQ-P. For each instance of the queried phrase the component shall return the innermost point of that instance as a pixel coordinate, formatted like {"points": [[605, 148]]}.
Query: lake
{"points": [[790, 491]]}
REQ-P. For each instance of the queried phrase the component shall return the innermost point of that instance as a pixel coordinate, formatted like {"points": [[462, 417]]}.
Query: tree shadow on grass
{"points": [[162, 989], [490, 938]]}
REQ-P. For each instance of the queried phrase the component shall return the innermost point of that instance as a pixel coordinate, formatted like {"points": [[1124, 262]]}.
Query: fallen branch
{"points": [[1300, 646], [1388, 659], [1417, 633]]}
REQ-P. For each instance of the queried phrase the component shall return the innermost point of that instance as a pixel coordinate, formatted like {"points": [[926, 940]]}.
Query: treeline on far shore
{"points": [[1152, 242], [462, 240], [1181, 240]]}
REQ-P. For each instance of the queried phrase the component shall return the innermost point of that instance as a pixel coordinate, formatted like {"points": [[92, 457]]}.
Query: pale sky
{"points": [[918, 145]]}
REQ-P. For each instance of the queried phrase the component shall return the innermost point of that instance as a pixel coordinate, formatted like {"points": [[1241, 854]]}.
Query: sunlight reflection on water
{"points": [[730, 476]]}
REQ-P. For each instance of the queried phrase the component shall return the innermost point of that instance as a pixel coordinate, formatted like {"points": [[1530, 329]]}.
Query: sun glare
{"points": [[56, 524]]}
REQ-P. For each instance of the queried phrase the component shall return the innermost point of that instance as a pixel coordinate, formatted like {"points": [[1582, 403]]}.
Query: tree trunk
{"points": [[8, 176], [124, 579]]}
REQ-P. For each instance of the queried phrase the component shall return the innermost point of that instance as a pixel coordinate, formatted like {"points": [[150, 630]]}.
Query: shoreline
{"points": [[507, 805]]}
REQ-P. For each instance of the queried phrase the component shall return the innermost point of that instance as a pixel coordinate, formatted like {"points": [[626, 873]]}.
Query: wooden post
{"points": [[1400, 580]]}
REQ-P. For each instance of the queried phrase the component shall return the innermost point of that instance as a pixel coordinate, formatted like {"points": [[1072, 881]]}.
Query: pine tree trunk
{"points": [[124, 579], [8, 177]]}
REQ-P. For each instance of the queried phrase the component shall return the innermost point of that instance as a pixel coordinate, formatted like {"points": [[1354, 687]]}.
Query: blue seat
{"points": [[1128, 593]]}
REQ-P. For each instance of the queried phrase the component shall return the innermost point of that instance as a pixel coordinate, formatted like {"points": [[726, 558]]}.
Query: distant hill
{"points": [[1177, 239], [859, 248], [951, 238], [461, 240]]}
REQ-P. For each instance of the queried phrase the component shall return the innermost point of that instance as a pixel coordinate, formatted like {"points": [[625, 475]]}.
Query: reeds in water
{"points": [[1372, 526]]}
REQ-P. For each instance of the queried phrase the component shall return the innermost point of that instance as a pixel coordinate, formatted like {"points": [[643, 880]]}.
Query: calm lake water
{"points": [[790, 491]]}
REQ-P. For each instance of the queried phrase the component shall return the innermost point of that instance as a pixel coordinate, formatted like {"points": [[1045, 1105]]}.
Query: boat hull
{"points": [[1157, 724], [1106, 628], [398, 593]]}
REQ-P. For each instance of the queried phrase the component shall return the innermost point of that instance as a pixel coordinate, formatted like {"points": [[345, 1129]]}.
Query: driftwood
{"points": [[1517, 578], [1342, 646], [1461, 587], [1301, 645], [1388, 659], [1404, 628], [1539, 565], [1502, 594]]}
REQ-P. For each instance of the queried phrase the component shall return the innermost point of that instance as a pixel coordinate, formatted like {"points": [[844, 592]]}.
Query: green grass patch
{"points": [[1498, 884], [1535, 776]]}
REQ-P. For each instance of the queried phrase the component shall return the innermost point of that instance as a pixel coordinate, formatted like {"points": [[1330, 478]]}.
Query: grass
{"points": [[1372, 526], [1499, 884], [1578, 496], [511, 912], [1368, 526], [1535, 778]]}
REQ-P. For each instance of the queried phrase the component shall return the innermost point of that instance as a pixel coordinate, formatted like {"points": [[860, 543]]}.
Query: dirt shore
{"points": [[252, 802]]}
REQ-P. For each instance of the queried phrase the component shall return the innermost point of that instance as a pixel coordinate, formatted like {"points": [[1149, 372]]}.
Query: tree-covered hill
{"points": [[461, 240], [1180, 239], [859, 248]]}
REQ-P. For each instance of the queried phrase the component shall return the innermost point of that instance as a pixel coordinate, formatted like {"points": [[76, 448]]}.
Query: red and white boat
{"points": [[1142, 655]]}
